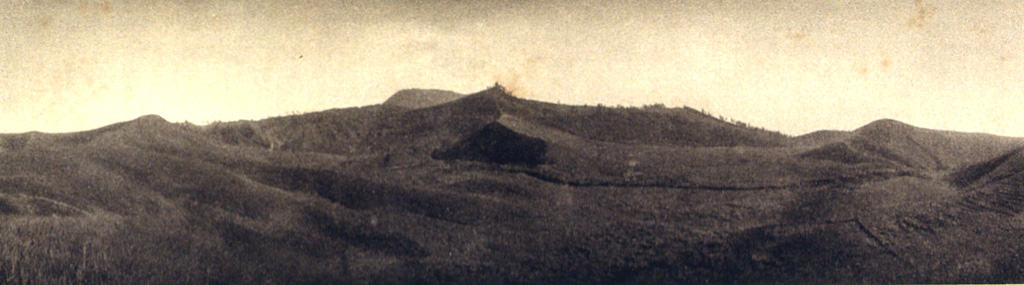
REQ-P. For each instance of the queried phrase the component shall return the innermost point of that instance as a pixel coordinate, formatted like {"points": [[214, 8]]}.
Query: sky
{"points": [[791, 66]]}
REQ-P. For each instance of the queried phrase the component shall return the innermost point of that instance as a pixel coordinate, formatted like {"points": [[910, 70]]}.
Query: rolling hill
{"points": [[910, 146], [437, 187]]}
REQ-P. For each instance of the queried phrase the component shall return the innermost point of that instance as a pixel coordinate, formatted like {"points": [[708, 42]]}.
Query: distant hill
{"points": [[819, 138], [914, 147], [421, 98]]}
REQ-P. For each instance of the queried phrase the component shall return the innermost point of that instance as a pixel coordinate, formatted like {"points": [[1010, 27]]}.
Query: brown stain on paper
{"points": [[923, 12]]}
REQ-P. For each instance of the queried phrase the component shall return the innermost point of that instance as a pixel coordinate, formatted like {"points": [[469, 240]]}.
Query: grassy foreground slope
{"points": [[489, 188]]}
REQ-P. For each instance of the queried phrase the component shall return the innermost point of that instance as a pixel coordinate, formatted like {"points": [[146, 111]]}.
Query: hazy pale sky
{"points": [[792, 66]]}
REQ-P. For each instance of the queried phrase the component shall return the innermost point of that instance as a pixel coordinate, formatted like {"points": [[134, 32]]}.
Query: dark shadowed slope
{"points": [[497, 144]]}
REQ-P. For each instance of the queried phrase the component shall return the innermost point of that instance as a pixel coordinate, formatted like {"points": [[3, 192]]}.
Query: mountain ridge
{"points": [[490, 188]]}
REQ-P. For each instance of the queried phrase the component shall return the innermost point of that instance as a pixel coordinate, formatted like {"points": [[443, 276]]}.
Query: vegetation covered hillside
{"points": [[489, 188]]}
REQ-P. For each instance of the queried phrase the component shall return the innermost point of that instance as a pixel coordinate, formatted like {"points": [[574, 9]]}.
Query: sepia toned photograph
{"points": [[511, 142]]}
